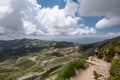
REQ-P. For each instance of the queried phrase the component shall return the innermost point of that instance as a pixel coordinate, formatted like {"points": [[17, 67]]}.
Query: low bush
{"points": [[107, 53], [69, 69], [115, 70], [96, 75]]}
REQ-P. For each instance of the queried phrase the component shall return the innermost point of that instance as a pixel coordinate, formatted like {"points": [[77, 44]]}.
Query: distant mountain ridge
{"points": [[16, 48], [21, 47]]}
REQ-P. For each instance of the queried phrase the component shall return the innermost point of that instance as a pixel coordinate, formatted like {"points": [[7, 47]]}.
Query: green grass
{"points": [[109, 52], [24, 64], [115, 70], [69, 69], [96, 75]]}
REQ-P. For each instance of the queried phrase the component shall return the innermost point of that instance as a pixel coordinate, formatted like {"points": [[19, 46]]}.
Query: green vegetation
{"points": [[109, 52], [96, 75], [24, 64], [62, 44], [69, 69], [46, 74], [21, 57], [115, 70], [57, 54]]}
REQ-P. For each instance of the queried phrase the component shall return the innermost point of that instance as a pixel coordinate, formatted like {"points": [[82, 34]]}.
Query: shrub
{"points": [[69, 69], [110, 55], [107, 53], [96, 75], [115, 70], [100, 55]]}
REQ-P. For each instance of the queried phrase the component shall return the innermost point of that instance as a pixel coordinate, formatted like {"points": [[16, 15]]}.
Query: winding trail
{"points": [[94, 64]]}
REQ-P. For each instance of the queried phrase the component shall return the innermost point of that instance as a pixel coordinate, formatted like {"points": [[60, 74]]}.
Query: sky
{"points": [[61, 19]]}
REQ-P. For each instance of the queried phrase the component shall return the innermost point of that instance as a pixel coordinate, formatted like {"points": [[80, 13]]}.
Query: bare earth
{"points": [[98, 65]]}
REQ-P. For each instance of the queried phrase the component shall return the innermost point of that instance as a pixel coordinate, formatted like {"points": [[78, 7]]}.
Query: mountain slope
{"points": [[33, 59], [22, 47], [17, 48], [26, 58], [89, 48], [107, 67]]}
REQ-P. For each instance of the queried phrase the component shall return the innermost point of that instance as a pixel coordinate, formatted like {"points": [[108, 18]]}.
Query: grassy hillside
{"points": [[109, 50], [113, 43], [28, 59], [115, 69]]}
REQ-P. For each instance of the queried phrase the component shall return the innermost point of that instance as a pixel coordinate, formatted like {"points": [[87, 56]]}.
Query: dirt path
{"points": [[100, 66]]}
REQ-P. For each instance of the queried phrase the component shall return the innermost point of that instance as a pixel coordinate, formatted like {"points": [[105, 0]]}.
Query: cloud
{"points": [[30, 29], [108, 35], [56, 21], [13, 14], [1, 30], [12, 21], [99, 7], [104, 23], [5, 7], [30, 18], [83, 30], [113, 34], [109, 9], [71, 7]]}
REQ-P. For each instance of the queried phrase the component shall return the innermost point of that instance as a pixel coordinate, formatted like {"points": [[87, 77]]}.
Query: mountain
{"points": [[33, 59], [26, 58], [17, 48]]}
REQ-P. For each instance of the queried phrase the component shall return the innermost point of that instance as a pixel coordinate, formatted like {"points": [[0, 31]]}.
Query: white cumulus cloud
{"points": [[103, 23], [27, 17], [56, 21], [71, 7], [83, 30]]}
